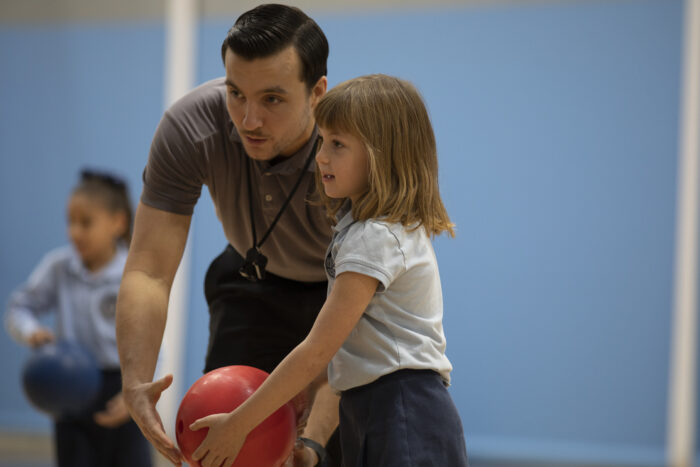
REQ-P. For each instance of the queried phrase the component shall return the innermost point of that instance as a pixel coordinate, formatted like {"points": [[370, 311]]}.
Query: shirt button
{"points": [[268, 198]]}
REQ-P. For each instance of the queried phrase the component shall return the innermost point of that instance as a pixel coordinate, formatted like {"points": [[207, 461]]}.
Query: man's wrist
{"points": [[316, 447]]}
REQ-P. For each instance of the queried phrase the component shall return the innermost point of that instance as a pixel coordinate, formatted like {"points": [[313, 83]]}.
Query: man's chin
{"points": [[259, 154]]}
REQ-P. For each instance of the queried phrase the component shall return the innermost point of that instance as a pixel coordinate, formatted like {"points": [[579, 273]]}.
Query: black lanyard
{"points": [[253, 268]]}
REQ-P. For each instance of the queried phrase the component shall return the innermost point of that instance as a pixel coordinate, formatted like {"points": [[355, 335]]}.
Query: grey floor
{"points": [[22, 450], [26, 450]]}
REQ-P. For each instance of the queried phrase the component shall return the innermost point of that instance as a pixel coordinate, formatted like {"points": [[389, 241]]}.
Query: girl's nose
{"points": [[321, 156]]}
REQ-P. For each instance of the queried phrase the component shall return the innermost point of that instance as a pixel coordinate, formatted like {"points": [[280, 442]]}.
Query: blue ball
{"points": [[61, 378]]}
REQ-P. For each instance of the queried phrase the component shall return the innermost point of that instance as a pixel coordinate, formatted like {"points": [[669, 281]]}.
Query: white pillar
{"points": [[682, 385], [181, 26]]}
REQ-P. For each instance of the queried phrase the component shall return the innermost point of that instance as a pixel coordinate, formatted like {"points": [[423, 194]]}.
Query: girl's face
{"points": [[344, 164], [93, 230]]}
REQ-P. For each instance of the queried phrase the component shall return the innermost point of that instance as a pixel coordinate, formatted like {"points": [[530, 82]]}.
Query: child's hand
{"points": [[223, 442], [114, 414], [40, 337]]}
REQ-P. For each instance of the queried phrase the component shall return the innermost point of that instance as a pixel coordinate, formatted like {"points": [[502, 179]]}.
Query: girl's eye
{"points": [[337, 144]]}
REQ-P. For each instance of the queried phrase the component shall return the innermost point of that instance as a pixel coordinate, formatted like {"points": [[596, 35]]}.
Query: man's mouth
{"points": [[254, 139]]}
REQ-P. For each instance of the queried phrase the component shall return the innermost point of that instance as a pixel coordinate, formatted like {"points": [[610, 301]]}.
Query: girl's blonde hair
{"points": [[389, 116]]}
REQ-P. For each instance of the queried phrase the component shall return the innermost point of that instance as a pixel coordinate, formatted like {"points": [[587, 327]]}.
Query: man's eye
{"points": [[273, 100]]}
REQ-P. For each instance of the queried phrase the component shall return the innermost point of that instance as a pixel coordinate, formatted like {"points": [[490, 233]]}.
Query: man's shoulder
{"points": [[212, 91], [203, 106]]}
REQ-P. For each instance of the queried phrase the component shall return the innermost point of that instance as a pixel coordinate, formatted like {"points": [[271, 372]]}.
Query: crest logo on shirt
{"points": [[108, 306], [330, 265]]}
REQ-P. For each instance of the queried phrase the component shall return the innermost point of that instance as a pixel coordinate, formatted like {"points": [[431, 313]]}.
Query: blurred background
{"points": [[558, 129]]}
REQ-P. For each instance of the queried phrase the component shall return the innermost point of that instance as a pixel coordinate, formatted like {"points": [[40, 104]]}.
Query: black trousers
{"points": [[259, 323], [80, 442]]}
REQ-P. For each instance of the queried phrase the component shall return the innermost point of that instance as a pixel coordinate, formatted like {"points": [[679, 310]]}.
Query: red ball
{"points": [[222, 390]]}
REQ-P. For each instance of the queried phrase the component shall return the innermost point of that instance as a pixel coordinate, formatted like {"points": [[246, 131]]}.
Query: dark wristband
{"points": [[318, 449]]}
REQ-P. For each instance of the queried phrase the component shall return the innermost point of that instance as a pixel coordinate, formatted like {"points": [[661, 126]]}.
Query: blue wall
{"points": [[557, 129]]}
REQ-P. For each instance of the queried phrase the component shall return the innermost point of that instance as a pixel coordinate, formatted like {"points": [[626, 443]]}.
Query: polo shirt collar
{"points": [[344, 216], [291, 164]]}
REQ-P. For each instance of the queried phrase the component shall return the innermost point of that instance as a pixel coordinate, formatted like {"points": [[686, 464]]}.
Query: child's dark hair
{"points": [[111, 191]]}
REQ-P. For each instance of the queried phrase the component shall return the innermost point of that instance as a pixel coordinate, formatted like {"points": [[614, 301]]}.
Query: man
{"points": [[251, 139]]}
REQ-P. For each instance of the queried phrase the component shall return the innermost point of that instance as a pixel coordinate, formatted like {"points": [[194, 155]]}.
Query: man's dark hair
{"points": [[268, 29]]}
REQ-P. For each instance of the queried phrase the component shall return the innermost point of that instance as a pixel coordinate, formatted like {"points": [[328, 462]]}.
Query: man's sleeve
{"points": [[173, 177]]}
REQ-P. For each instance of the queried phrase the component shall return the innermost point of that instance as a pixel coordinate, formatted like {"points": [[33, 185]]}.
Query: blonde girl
{"points": [[380, 331]]}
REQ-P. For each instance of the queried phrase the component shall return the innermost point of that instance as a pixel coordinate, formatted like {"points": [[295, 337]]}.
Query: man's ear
{"points": [[318, 90]]}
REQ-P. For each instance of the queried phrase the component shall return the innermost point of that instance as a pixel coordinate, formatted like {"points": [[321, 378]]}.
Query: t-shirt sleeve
{"points": [[174, 174], [372, 249]]}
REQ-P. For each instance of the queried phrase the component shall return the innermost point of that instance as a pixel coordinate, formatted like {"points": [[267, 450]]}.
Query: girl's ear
{"points": [[120, 224]]}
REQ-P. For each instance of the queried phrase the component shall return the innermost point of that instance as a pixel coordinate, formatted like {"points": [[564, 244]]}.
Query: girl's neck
{"points": [[97, 263]]}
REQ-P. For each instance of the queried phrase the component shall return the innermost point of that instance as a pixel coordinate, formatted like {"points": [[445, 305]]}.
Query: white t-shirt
{"points": [[402, 325]]}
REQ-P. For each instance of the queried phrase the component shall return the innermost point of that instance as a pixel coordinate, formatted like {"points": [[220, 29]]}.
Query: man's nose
{"points": [[252, 119]]}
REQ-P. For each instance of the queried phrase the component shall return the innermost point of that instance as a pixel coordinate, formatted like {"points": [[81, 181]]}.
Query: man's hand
{"points": [[141, 402], [303, 456], [115, 413], [40, 337]]}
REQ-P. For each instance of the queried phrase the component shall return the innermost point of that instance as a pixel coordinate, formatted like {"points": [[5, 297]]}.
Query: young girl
{"points": [[80, 282], [381, 325]]}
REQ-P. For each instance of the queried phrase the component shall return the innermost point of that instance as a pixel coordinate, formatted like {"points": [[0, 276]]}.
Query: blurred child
{"points": [[381, 325], [80, 283]]}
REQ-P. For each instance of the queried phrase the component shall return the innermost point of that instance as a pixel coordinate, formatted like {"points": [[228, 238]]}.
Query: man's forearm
{"points": [[141, 314], [323, 418]]}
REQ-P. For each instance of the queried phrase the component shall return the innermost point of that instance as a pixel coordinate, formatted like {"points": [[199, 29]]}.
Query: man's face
{"points": [[269, 104]]}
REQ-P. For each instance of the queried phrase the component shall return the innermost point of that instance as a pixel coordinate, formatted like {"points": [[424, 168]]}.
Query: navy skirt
{"points": [[404, 419]]}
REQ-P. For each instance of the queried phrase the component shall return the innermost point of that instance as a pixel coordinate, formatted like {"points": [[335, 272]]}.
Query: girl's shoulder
{"points": [[381, 228], [376, 234], [57, 261], [63, 255]]}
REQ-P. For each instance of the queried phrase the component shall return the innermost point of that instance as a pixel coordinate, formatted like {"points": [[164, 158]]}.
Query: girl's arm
{"points": [[344, 306], [30, 300]]}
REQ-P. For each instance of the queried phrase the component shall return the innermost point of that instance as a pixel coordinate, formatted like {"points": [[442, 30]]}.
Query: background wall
{"points": [[557, 128]]}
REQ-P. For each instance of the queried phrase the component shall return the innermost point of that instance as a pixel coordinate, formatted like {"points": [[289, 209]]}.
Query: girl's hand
{"points": [[40, 337], [114, 414], [222, 443]]}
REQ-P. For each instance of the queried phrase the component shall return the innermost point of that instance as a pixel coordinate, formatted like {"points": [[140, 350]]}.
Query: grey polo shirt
{"points": [[197, 144], [402, 325]]}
